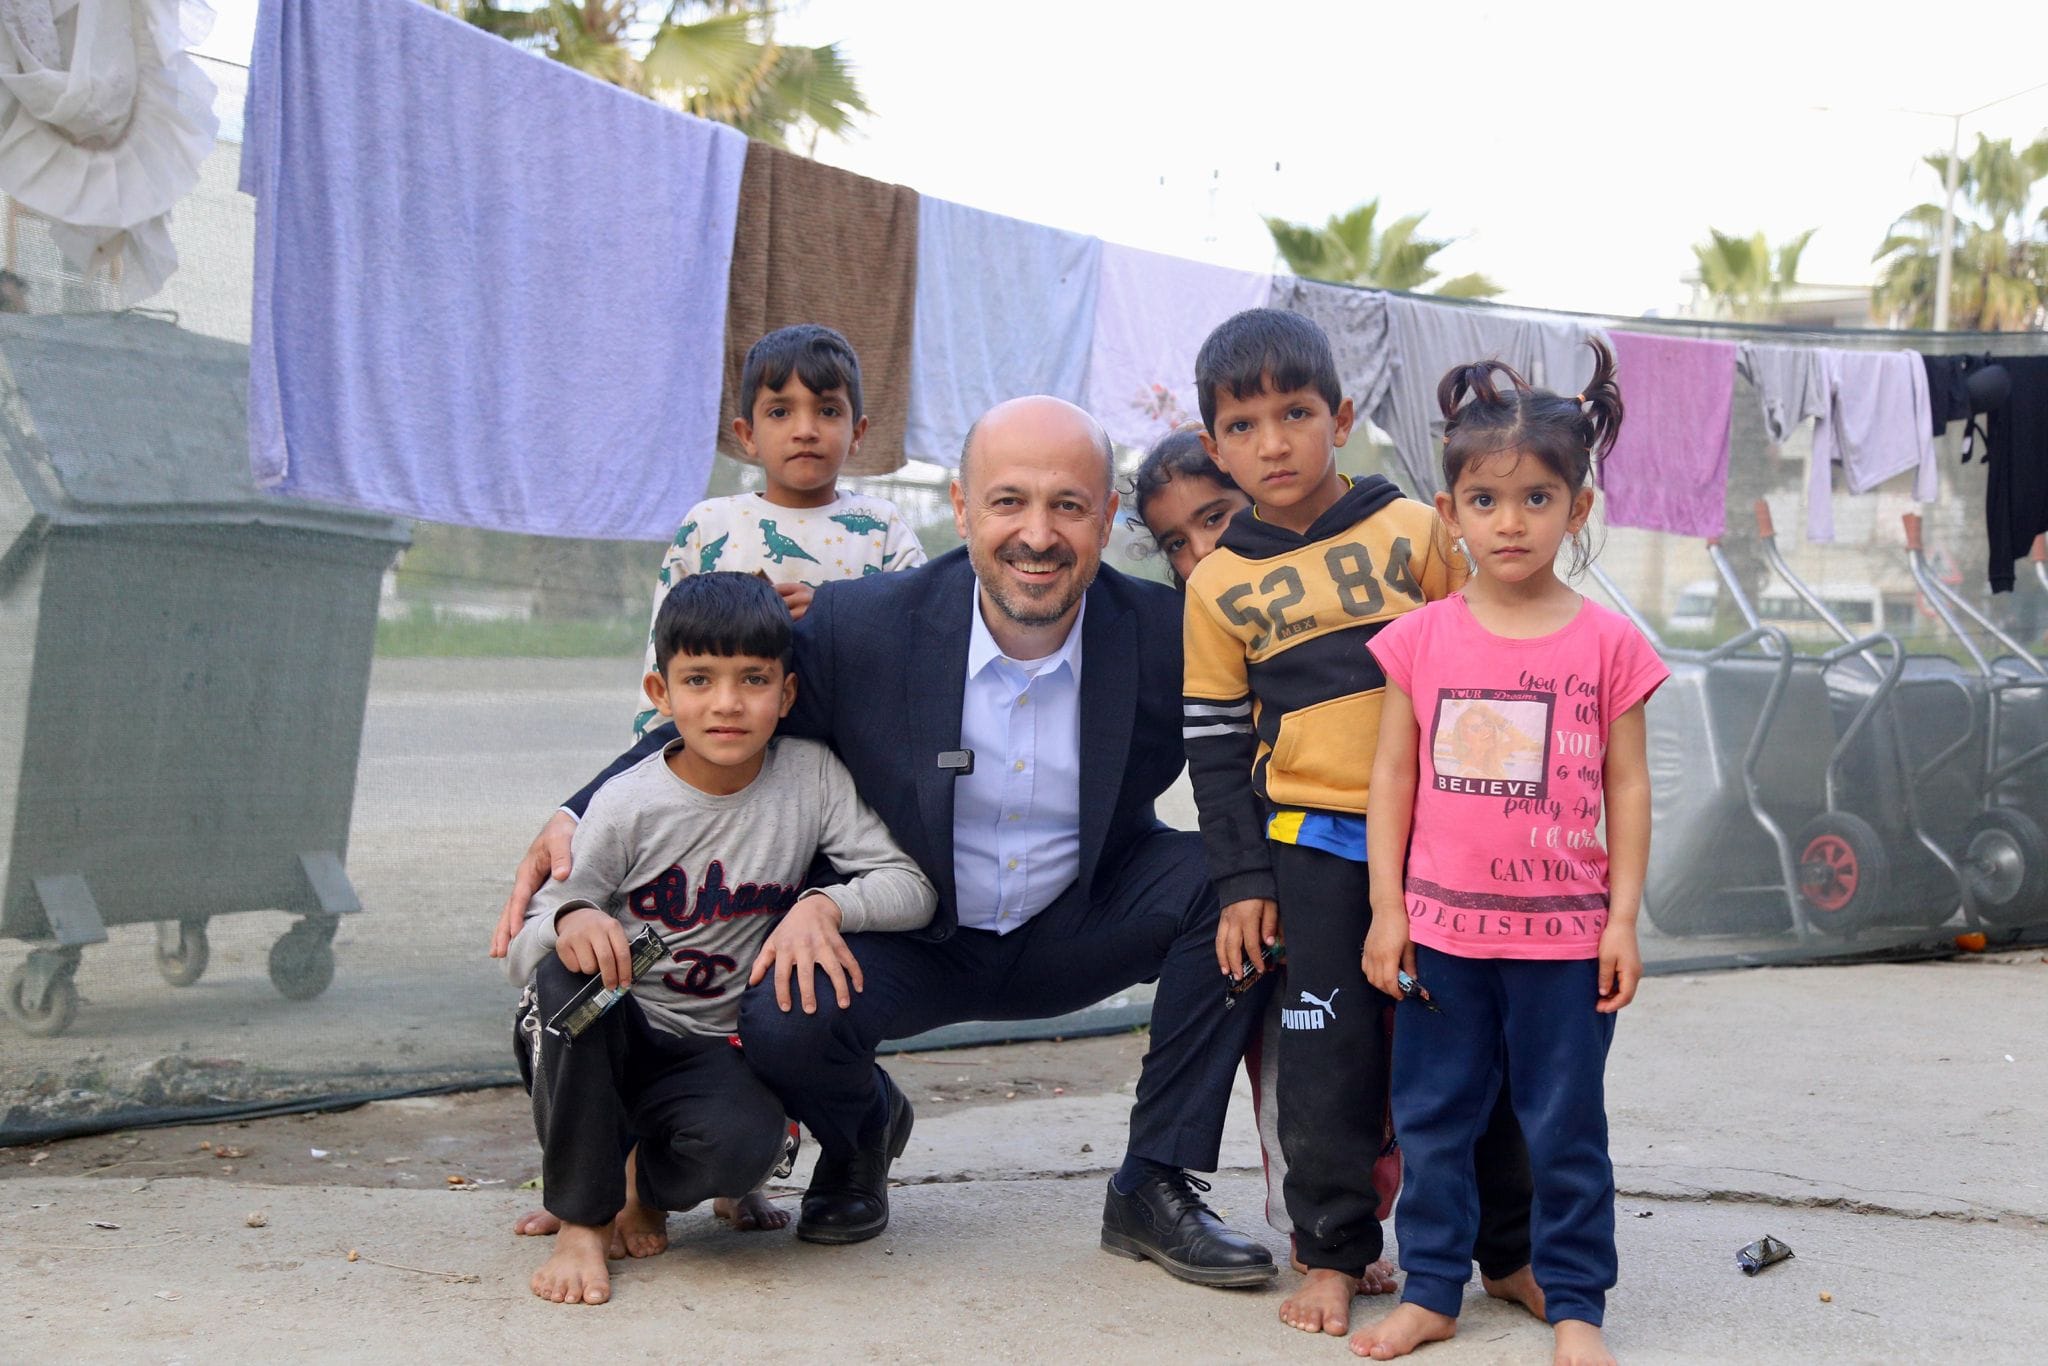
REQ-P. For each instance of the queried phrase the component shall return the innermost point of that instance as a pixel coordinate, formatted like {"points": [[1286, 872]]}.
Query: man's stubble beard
{"points": [[1025, 611]]}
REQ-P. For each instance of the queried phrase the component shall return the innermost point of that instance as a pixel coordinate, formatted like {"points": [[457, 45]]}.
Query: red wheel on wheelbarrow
{"points": [[1844, 872]]}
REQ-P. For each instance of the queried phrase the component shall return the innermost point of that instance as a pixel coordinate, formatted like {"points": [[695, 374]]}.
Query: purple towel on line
{"points": [[489, 290], [1669, 470], [1152, 313]]}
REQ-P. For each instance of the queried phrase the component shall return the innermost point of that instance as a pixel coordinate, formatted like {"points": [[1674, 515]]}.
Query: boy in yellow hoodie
{"points": [[1281, 720]]}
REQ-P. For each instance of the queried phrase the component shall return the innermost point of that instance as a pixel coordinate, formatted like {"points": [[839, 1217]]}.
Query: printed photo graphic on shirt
{"points": [[1492, 742], [1318, 1018]]}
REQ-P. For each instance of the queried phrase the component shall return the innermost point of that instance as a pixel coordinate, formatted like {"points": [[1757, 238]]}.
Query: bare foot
{"points": [[1401, 1332], [1323, 1304], [640, 1227], [1517, 1287], [575, 1273], [750, 1213], [536, 1223], [1377, 1280], [1579, 1344]]}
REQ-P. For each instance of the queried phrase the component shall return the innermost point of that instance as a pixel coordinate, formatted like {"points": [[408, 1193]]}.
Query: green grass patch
{"points": [[420, 635]]}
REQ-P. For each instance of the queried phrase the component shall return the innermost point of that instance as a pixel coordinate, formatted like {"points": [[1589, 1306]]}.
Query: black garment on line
{"points": [[2016, 449], [1947, 398]]}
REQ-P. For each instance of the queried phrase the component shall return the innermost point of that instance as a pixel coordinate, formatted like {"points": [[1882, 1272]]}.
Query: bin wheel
{"points": [[60, 1004], [301, 964], [187, 963], [1844, 872], [2005, 857]]}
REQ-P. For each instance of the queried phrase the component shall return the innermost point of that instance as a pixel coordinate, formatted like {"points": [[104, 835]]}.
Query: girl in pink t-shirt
{"points": [[1513, 713]]}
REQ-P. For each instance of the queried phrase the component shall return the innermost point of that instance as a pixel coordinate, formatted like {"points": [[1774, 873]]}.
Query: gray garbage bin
{"points": [[184, 662]]}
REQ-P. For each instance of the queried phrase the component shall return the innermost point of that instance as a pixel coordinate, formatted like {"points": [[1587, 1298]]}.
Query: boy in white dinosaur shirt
{"points": [[800, 391]]}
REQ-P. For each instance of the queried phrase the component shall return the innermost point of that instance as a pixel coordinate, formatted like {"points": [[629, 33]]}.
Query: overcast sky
{"points": [[1574, 150]]}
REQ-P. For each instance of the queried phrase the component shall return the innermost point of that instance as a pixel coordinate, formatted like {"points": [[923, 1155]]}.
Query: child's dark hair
{"points": [[1566, 434], [1263, 346], [821, 358], [1177, 455], [722, 614]]}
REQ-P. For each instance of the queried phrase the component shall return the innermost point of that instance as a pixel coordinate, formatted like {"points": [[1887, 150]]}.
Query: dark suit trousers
{"points": [[1155, 917]]}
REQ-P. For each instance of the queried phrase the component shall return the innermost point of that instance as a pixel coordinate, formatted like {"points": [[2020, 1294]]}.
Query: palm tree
{"points": [[1999, 280], [1743, 276], [717, 59], [1350, 249]]}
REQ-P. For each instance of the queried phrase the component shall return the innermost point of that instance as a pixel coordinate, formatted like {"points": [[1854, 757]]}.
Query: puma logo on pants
{"points": [[1310, 1019]]}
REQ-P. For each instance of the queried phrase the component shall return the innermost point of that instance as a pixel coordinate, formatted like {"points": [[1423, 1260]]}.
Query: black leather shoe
{"points": [[1165, 1220], [848, 1201]]}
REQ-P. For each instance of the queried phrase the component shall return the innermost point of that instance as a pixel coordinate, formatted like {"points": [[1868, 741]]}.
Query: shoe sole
{"points": [[1123, 1245], [858, 1233]]}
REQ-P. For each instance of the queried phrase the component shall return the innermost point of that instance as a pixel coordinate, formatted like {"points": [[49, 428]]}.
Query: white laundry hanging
{"points": [[104, 120]]}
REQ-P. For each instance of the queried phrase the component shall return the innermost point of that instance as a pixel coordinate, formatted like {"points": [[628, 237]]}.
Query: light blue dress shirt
{"points": [[1017, 817]]}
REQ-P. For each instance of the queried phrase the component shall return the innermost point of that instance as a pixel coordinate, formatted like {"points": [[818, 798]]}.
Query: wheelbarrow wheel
{"points": [[301, 964], [185, 964], [1844, 873], [2005, 857], [59, 1007]]}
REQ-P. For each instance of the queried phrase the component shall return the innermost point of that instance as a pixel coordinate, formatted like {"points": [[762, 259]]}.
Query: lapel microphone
{"points": [[957, 763]]}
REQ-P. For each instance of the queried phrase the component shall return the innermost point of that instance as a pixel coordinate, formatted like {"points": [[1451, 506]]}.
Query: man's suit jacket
{"points": [[881, 667], [882, 673]]}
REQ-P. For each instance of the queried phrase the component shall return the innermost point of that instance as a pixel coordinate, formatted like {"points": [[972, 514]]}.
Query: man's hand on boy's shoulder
{"points": [[796, 597], [807, 940], [547, 857]]}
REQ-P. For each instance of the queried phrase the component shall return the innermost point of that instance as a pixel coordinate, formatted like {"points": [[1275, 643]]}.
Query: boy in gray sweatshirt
{"points": [[707, 843]]}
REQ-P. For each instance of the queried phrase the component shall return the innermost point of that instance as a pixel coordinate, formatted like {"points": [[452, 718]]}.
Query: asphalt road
{"points": [[462, 759]]}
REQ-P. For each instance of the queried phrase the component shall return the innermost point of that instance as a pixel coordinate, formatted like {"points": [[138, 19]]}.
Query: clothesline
{"points": [[543, 310]]}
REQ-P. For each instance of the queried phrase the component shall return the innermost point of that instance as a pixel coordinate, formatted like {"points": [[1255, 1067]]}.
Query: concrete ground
{"points": [[1887, 1122]]}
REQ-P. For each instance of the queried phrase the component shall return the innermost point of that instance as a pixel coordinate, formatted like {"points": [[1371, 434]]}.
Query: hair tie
{"points": [[1579, 399]]}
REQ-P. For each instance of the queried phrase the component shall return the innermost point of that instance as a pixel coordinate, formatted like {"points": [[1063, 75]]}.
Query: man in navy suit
{"points": [[1011, 710]]}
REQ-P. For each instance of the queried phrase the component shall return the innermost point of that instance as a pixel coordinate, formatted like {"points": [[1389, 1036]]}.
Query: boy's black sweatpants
{"points": [[704, 1123], [1332, 1087]]}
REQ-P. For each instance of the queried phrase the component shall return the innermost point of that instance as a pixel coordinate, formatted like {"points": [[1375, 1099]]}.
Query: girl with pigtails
{"points": [[1513, 714]]}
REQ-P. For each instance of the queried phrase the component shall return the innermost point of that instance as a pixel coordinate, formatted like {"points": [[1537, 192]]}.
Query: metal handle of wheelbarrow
{"points": [[1890, 682], [1627, 608], [1779, 650], [1888, 677], [1771, 636], [1950, 605], [1734, 585], [1767, 536]]}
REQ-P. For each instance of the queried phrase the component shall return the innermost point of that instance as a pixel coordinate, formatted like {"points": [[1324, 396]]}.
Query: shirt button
{"points": [[1019, 765], [1023, 699], [1013, 865], [1014, 815]]}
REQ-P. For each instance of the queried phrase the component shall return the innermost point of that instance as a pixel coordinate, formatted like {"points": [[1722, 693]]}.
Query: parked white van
{"points": [[1863, 608]]}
